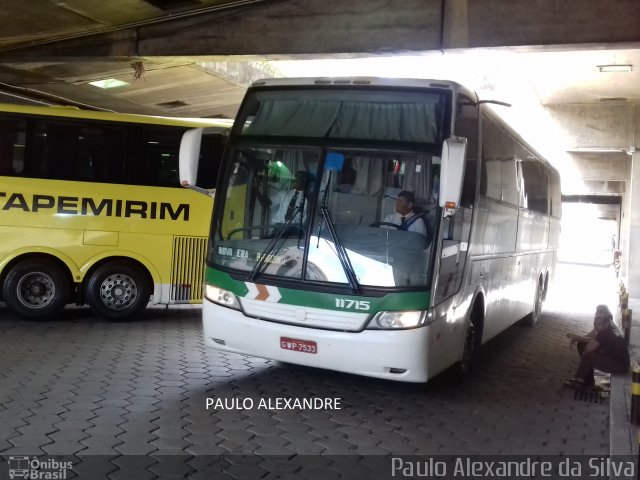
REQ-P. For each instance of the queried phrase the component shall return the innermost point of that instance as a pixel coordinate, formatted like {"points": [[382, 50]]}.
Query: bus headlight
{"points": [[398, 320], [221, 297]]}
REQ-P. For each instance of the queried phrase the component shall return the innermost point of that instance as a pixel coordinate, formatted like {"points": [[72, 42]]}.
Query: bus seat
{"points": [[352, 209], [428, 213], [349, 217], [388, 207]]}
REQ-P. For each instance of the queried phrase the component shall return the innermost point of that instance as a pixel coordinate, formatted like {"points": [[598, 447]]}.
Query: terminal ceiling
{"points": [[195, 57]]}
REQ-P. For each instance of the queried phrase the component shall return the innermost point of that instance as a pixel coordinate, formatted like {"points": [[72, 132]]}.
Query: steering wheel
{"points": [[385, 224]]}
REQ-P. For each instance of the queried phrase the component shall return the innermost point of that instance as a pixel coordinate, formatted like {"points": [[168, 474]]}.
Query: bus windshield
{"points": [[316, 214]]}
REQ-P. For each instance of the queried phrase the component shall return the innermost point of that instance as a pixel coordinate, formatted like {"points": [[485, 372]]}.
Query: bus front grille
{"points": [[187, 271]]}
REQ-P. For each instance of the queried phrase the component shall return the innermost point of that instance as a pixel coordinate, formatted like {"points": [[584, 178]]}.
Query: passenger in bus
{"points": [[602, 348], [291, 205], [404, 214]]}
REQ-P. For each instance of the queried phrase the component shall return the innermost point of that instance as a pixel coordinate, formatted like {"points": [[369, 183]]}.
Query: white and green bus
{"points": [[335, 283]]}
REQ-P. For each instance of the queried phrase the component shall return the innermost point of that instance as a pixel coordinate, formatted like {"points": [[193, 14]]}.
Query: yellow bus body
{"points": [[160, 231]]}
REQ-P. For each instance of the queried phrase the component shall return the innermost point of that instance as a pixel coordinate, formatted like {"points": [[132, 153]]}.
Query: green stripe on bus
{"points": [[393, 301]]}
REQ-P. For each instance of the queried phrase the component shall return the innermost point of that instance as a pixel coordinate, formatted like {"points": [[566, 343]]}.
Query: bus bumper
{"points": [[399, 355]]}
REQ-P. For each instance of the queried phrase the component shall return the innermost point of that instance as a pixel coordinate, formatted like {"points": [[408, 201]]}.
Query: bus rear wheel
{"points": [[534, 316], [469, 350], [118, 291], [37, 289]]}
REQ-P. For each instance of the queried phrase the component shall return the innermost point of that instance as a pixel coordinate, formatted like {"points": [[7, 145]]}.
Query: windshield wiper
{"points": [[273, 244], [340, 251]]}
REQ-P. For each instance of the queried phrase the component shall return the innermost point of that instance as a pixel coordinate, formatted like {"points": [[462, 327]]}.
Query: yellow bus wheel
{"points": [[118, 291], [36, 288]]}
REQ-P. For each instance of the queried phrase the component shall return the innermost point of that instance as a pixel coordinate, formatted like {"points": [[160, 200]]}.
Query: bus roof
{"points": [[366, 82], [73, 112], [358, 81]]}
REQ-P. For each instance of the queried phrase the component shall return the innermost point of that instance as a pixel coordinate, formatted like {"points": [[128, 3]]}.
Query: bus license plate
{"points": [[305, 346]]}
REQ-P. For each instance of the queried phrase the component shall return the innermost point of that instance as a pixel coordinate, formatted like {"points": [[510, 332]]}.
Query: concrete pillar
{"points": [[625, 222], [455, 33], [633, 249], [633, 246]]}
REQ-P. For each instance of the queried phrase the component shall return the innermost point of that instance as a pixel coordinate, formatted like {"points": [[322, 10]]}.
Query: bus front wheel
{"points": [[118, 291], [37, 289]]}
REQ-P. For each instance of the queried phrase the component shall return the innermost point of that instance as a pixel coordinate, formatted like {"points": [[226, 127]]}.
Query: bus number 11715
{"points": [[352, 304]]}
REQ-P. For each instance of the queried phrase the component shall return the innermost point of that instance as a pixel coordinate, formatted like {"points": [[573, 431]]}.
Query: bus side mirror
{"points": [[189, 157], [454, 153]]}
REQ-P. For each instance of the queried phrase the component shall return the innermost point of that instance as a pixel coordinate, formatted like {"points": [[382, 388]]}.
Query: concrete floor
{"points": [[128, 400]]}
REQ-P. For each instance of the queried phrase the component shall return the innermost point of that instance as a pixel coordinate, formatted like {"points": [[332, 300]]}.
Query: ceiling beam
{"points": [[298, 27]]}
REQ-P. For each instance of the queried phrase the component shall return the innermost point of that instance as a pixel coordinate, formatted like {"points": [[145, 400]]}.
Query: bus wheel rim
{"points": [[36, 290], [118, 291]]}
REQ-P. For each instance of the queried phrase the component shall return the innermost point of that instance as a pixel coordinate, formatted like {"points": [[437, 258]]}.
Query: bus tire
{"points": [[534, 316], [36, 289], [469, 349], [118, 291]]}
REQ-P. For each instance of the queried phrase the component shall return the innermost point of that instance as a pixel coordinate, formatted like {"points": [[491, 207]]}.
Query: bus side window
{"points": [[535, 193], [467, 126], [155, 162], [555, 195], [75, 150], [57, 150], [498, 170], [12, 146], [100, 154]]}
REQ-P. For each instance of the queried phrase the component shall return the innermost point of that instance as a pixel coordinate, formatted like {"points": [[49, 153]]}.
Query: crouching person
{"points": [[602, 348]]}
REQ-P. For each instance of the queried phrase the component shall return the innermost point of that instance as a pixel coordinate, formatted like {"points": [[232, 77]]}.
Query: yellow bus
{"points": [[91, 211]]}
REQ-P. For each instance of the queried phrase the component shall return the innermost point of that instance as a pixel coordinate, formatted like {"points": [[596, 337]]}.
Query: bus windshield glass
{"points": [[312, 181], [315, 214]]}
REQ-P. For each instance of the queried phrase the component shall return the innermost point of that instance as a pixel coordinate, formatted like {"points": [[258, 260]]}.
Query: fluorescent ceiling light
{"points": [[108, 83], [628, 151], [614, 68]]}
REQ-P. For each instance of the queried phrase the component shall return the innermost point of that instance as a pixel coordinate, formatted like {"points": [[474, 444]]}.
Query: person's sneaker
{"points": [[574, 383]]}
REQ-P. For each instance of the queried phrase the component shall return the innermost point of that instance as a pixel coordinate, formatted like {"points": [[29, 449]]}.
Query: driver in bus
{"points": [[404, 215]]}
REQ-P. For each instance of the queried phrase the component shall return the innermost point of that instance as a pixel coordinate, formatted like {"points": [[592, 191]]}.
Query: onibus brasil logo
{"points": [[34, 469]]}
